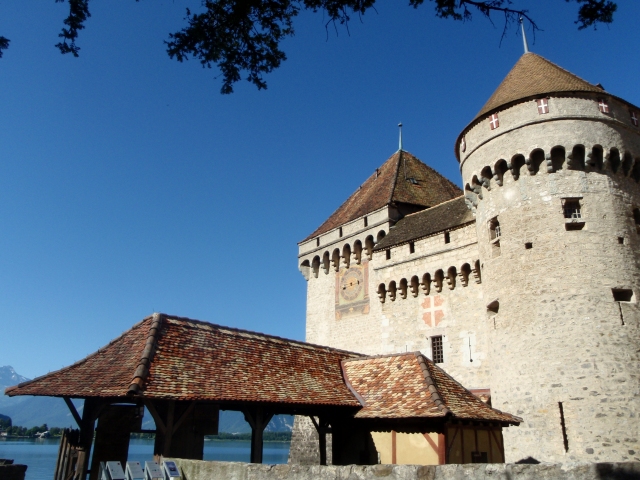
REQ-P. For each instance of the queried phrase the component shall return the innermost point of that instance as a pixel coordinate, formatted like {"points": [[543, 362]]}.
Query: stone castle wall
{"points": [[566, 354], [456, 312]]}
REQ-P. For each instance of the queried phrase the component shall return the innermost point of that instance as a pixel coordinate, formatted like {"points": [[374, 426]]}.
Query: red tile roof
{"points": [[167, 357], [193, 360], [389, 185], [409, 385]]}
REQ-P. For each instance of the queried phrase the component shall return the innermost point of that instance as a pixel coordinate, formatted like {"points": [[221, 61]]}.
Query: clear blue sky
{"points": [[129, 184]]}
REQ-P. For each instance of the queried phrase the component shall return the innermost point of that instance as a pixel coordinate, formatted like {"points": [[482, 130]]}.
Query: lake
{"points": [[40, 455]]}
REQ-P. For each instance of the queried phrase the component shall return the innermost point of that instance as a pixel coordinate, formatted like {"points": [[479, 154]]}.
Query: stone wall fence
{"points": [[201, 470]]}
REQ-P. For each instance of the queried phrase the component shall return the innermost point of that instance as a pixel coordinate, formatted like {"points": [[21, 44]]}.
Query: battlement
{"points": [[429, 283], [351, 242], [587, 159]]}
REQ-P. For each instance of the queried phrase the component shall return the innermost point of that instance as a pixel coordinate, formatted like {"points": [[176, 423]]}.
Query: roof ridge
{"points": [[382, 355], [347, 382], [260, 334], [79, 362], [473, 395], [142, 370], [431, 384], [395, 176]]}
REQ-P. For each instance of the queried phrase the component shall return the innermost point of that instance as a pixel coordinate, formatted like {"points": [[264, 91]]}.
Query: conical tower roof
{"points": [[531, 77], [534, 75], [401, 179]]}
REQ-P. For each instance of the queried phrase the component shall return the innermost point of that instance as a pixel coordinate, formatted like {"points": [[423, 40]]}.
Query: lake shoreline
{"points": [[40, 455]]}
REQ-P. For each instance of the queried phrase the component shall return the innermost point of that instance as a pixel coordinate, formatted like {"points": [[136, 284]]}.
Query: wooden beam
{"points": [[183, 417], [74, 412], [322, 427], [322, 444], [156, 417], [258, 419]]}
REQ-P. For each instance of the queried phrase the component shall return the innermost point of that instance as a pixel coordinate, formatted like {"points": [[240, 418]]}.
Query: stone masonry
{"points": [[535, 298]]}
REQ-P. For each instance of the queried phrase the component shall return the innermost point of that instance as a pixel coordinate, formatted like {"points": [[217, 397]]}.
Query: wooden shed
{"points": [[185, 371]]}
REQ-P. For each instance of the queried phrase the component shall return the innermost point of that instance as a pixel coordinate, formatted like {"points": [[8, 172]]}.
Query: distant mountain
{"points": [[9, 377], [234, 422], [34, 411], [5, 420]]}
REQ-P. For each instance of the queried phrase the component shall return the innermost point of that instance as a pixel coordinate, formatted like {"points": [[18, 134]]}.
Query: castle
{"points": [[523, 286]]}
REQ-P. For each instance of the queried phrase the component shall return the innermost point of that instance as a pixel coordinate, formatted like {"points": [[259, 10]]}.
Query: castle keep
{"points": [[523, 287]]}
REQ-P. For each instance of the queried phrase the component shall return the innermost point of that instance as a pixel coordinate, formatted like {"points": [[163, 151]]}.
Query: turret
{"points": [[551, 166]]}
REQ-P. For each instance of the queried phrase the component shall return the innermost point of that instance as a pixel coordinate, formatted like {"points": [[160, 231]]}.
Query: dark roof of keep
{"points": [[409, 385], [389, 186], [183, 359], [445, 216]]}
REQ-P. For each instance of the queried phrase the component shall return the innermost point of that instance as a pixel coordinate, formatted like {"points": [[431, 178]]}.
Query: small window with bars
{"points": [[571, 208], [494, 228], [437, 353]]}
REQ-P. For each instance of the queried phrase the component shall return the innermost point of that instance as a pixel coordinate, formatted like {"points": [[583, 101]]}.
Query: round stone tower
{"points": [[551, 167]]}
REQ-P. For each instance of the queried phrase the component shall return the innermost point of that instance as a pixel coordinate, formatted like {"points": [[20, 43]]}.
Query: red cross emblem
{"points": [[494, 122], [634, 118], [604, 107], [433, 310], [543, 106]]}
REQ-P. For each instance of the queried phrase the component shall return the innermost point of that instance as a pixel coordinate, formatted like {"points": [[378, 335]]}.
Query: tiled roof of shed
{"points": [[389, 185], [445, 216], [193, 360], [409, 385]]}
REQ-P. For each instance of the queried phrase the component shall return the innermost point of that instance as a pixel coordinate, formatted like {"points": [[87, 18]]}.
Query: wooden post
{"points": [[169, 430], [322, 427], [89, 414], [322, 441], [258, 419]]}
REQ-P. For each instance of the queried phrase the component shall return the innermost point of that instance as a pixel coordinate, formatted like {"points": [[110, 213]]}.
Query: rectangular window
{"points": [[622, 294], [494, 229], [318, 242], [571, 208], [412, 247], [436, 349], [389, 254], [447, 237], [573, 214], [366, 222], [340, 231]]}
